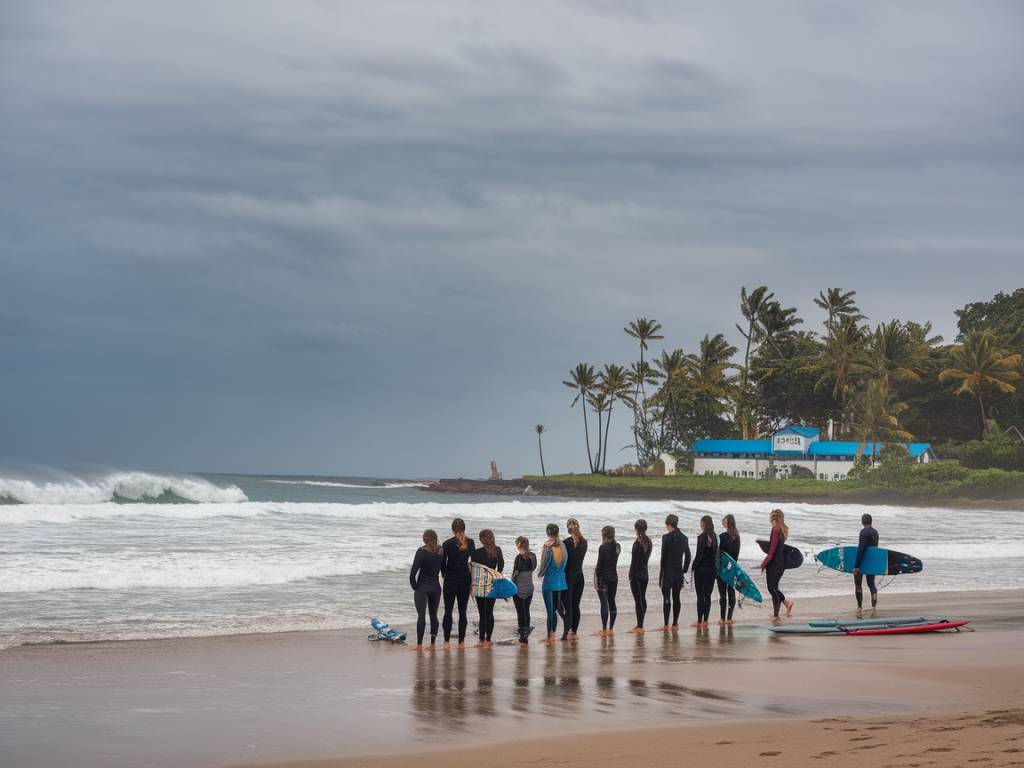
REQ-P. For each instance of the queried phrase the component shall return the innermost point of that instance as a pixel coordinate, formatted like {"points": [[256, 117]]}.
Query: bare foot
{"points": [[431, 648], [599, 633], [634, 631], [446, 647], [776, 620], [609, 633], [695, 624], [721, 622], [663, 629], [461, 646], [416, 648], [675, 628], [573, 636], [730, 622], [789, 607]]}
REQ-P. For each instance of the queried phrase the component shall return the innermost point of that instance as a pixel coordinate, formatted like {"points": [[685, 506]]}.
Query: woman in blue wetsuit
{"points": [[426, 588], [553, 559]]}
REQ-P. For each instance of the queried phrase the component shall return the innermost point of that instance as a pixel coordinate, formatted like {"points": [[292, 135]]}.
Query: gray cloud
{"points": [[371, 238]]}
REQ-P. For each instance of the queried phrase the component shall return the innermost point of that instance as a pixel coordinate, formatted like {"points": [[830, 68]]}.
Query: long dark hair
{"points": [[608, 534], [430, 542], [707, 529], [640, 526], [487, 539], [575, 532], [552, 531], [730, 526]]}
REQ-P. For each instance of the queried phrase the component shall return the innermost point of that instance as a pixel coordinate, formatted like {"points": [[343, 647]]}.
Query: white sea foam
{"points": [[57, 488], [335, 484]]}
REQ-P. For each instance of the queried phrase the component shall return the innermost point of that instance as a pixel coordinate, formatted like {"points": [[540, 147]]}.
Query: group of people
{"points": [[560, 571]]}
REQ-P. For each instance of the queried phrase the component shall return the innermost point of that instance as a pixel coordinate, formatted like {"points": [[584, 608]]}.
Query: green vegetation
{"points": [[890, 382]]}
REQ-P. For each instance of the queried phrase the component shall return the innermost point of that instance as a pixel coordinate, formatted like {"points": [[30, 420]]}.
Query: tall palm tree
{"points": [[643, 330], [597, 399], [838, 303], [775, 323], [890, 356], [672, 367], [639, 375], [539, 429], [583, 379], [980, 363], [751, 306], [877, 420], [842, 348], [708, 370], [615, 386]]}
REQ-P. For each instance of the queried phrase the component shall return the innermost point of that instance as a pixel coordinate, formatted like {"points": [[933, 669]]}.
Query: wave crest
{"points": [[68, 488]]}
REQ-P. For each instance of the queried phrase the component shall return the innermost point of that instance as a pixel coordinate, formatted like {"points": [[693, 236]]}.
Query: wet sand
{"points": [[332, 695]]}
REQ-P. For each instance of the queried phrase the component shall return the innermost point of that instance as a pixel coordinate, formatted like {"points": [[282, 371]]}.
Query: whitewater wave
{"points": [[336, 484], [51, 487]]}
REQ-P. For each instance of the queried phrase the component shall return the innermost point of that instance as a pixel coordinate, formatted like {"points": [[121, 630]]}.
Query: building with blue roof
{"points": [[792, 446]]}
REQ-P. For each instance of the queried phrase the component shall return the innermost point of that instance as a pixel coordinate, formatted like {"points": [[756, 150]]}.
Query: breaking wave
{"points": [[48, 486]]}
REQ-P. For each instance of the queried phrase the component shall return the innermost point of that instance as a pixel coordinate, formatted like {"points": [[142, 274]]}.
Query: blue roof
{"points": [[732, 446], [796, 429], [848, 448]]}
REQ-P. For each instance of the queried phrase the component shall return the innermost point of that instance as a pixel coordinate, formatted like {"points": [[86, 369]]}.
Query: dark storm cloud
{"points": [[334, 237]]}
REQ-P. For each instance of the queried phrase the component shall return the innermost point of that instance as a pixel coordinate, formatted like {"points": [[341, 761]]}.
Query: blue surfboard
{"points": [[876, 562], [730, 572]]}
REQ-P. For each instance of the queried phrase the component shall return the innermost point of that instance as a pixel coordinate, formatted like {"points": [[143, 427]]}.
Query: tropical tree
{"points": [[597, 399], [539, 429], [643, 330], [775, 323], [583, 379], [838, 303], [979, 363], [877, 419], [843, 347], [712, 386], [751, 306], [890, 356], [615, 386]]}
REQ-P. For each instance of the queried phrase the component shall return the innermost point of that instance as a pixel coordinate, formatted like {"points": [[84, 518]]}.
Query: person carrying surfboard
{"points": [[458, 581], [774, 563], [672, 571], [729, 543], [489, 555], [868, 538]]}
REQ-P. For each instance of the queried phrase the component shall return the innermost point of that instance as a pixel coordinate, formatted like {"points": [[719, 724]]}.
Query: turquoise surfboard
{"points": [[876, 562], [730, 572]]}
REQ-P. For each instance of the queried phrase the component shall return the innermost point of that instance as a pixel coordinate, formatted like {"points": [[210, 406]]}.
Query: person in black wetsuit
{"points": [[576, 549], [488, 554], [705, 569], [868, 538], [671, 573], [606, 579], [774, 563], [457, 580], [426, 588], [522, 575], [729, 543], [638, 577]]}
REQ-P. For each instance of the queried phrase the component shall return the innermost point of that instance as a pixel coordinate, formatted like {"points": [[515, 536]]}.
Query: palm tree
{"points": [[890, 356], [877, 420], [672, 367], [643, 330], [583, 380], [614, 386], [708, 369], [775, 324], [842, 348], [751, 305], [979, 362], [597, 399], [539, 429], [838, 303]]}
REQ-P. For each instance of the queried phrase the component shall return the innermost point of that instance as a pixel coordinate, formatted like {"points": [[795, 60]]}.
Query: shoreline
{"points": [[284, 698], [608, 490]]}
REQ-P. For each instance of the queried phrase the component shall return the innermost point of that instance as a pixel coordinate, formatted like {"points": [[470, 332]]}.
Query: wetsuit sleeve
{"points": [[776, 535], [417, 563], [602, 558], [862, 545], [633, 553], [686, 554], [444, 560], [661, 565]]}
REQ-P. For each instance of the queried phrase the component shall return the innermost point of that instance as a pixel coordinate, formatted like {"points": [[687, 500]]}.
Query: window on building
{"points": [[835, 476]]}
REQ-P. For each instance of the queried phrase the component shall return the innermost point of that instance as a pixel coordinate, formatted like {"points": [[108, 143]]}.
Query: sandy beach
{"points": [[331, 698]]}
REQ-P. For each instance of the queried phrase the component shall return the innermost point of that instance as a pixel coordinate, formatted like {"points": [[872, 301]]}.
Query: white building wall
{"points": [[730, 466]]}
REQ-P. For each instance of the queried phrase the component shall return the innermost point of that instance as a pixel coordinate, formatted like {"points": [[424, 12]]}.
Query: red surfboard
{"points": [[906, 630]]}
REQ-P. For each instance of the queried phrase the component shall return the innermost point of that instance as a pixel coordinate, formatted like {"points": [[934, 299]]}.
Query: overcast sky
{"points": [[372, 238]]}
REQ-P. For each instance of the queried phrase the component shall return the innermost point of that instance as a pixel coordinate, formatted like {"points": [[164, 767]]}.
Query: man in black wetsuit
{"points": [[868, 538], [674, 548]]}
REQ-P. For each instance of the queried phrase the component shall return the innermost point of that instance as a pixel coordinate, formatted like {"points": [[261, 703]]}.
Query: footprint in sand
{"points": [[861, 738], [722, 743], [769, 754], [939, 749]]}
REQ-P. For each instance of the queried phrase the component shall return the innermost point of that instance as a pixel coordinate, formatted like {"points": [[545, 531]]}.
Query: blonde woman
{"points": [[576, 549], [553, 559], [774, 563]]}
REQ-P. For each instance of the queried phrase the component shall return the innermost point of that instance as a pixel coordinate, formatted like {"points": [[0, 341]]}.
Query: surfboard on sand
{"points": [[794, 557], [488, 583], [876, 562], [892, 627], [385, 632], [730, 572]]}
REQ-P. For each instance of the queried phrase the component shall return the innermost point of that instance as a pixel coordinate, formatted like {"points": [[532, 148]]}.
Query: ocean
{"points": [[116, 555]]}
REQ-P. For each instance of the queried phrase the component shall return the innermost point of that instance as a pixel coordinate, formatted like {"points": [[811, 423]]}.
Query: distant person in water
{"points": [[675, 562], [489, 555], [553, 560], [774, 563], [868, 538], [606, 579], [576, 549], [638, 576], [729, 543], [458, 581], [522, 574], [705, 569], [426, 588]]}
